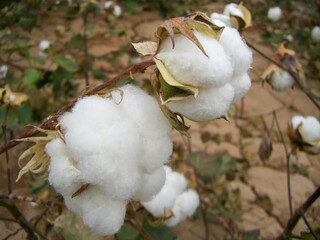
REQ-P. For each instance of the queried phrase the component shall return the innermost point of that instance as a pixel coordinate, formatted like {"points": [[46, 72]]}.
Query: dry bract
{"points": [[8, 98]]}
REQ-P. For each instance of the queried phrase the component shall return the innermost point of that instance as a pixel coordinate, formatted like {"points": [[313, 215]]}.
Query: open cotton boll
{"points": [[117, 11], [296, 121], [3, 71], [185, 206], [234, 45], [274, 14], [211, 103], [232, 9], [108, 4], [63, 174], [102, 215], [153, 125], [241, 86], [44, 44], [281, 81], [188, 65], [176, 181], [151, 184], [220, 19], [310, 129], [315, 34]]}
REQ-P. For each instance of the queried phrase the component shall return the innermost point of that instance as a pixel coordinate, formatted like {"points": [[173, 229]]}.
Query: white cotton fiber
{"points": [[241, 85], [44, 45], [151, 184], [232, 9], [211, 103], [101, 214], [233, 44], [274, 14], [315, 34], [221, 20], [3, 71], [310, 129], [63, 173], [188, 65], [281, 81], [296, 121]]}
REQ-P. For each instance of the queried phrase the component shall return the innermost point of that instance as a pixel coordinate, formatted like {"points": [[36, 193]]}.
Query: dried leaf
{"points": [[247, 15], [10, 98], [146, 48], [40, 160]]}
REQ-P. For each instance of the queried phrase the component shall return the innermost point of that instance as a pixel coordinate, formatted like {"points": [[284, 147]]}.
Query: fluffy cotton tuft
{"points": [[117, 11], [309, 128], [281, 81], [274, 14], [232, 9], [3, 71], [110, 145], [44, 45], [221, 78], [108, 4], [315, 34], [173, 197], [221, 20]]}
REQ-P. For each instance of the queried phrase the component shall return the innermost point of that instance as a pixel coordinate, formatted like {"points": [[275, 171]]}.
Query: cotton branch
{"points": [[48, 123]]}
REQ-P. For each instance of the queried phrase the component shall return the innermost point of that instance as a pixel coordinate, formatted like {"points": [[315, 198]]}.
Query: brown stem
{"points": [[293, 75], [139, 67], [4, 130], [86, 59], [287, 232], [50, 203]]}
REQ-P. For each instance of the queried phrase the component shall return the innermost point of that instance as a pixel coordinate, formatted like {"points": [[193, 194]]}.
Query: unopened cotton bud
{"points": [[315, 34], [281, 81], [3, 71], [274, 14]]}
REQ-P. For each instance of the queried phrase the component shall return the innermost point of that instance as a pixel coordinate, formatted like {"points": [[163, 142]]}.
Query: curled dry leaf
{"points": [[8, 98], [40, 160], [241, 22]]}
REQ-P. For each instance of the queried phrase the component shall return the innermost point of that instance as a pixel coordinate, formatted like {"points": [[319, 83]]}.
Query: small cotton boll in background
{"points": [[289, 38], [117, 11], [241, 85], [102, 215], [281, 81], [315, 34], [310, 129], [211, 103], [108, 4], [232, 9], [198, 70], [220, 19], [235, 47], [44, 45], [274, 14], [3, 71]]}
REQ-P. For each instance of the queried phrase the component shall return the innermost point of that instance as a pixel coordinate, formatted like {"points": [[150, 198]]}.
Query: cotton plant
{"points": [[274, 14], [201, 68], [104, 155], [234, 15], [304, 133], [315, 34], [174, 203]]}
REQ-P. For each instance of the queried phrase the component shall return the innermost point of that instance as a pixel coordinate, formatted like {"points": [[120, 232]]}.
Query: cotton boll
{"points": [[63, 174], [310, 129], [315, 34], [221, 20], [188, 65], [177, 181], [178, 216], [3, 71], [281, 81], [102, 215], [108, 4], [117, 11], [232, 9], [211, 103], [296, 121], [274, 14], [234, 45], [188, 202], [44, 45], [151, 184], [241, 86]]}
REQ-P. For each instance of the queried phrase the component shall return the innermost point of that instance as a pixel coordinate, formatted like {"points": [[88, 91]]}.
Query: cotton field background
{"points": [[160, 119]]}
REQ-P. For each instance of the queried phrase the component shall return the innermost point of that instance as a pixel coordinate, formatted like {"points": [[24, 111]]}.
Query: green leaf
{"points": [[28, 21], [159, 233], [251, 235], [39, 185], [76, 42], [127, 233], [211, 166], [31, 76], [66, 63], [25, 114]]}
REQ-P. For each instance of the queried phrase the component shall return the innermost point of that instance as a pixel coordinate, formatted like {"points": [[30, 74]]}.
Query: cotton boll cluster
{"points": [[109, 147], [173, 197], [274, 14], [110, 5], [315, 34], [309, 129], [221, 77], [44, 46], [281, 80], [3, 71]]}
